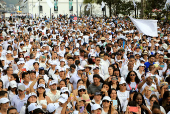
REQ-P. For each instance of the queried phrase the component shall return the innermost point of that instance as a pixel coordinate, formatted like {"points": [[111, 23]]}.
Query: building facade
{"points": [[60, 7]]}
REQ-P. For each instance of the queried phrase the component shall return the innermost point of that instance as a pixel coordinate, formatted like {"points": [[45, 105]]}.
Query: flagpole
{"points": [[77, 11], [135, 11]]}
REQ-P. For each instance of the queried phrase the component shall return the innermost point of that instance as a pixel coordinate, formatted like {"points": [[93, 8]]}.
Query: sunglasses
{"points": [[71, 109], [123, 84], [98, 60], [106, 101], [82, 90], [132, 75]]}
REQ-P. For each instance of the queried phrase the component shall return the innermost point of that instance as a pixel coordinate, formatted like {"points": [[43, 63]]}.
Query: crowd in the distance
{"points": [[90, 66]]}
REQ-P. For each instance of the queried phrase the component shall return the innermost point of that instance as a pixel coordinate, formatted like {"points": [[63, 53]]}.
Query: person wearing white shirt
{"points": [[53, 94], [105, 63], [126, 71]]}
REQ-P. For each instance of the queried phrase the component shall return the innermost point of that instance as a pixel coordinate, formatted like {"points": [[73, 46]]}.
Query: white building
{"points": [[32, 7]]}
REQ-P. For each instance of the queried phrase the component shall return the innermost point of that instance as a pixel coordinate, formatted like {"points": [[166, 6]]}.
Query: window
{"points": [[40, 8]]}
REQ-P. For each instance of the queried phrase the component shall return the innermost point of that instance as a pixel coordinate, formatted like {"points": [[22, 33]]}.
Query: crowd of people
{"points": [[91, 66]]}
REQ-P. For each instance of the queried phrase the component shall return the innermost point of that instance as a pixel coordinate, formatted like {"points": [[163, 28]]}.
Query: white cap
{"points": [[53, 63], [106, 98], [9, 51], [41, 85], [32, 94], [81, 87], [52, 82], [156, 44], [80, 68], [51, 107], [61, 69], [18, 63], [62, 60], [64, 89], [95, 107], [13, 84], [33, 106], [63, 98], [76, 53], [4, 100], [142, 65], [122, 82], [149, 75]]}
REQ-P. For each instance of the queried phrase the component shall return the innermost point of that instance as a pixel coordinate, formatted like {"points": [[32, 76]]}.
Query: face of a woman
{"points": [[12, 78], [32, 99], [153, 100], [141, 68], [81, 92], [62, 84], [79, 83], [113, 94], [41, 81], [41, 90], [132, 75], [106, 103], [106, 87], [122, 87], [110, 70], [69, 110], [139, 99]]}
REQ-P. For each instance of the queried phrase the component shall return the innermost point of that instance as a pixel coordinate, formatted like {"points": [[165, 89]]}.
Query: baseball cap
{"points": [[21, 87], [13, 84], [32, 94], [96, 67], [64, 89], [41, 85], [81, 87], [34, 106], [4, 100], [52, 82], [61, 69], [97, 93], [141, 65], [80, 68], [62, 60], [122, 82], [63, 98], [76, 53], [51, 107], [95, 107], [106, 98], [9, 51]]}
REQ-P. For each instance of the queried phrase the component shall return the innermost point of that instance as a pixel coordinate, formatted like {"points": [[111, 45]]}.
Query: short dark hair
{"points": [[24, 74], [11, 108], [2, 93]]}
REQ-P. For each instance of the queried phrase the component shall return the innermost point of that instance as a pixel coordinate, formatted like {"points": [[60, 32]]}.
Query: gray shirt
{"points": [[92, 88]]}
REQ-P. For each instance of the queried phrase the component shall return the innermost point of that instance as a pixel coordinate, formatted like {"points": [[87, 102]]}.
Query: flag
{"points": [[49, 3], [88, 7], [103, 5], [147, 27], [134, 3]]}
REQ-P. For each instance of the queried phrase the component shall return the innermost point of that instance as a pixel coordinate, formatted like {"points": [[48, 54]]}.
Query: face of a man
{"points": [[13, 111]]}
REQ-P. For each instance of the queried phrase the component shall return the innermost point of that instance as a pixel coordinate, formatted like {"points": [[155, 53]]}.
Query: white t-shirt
{"points": [[132, 85]]}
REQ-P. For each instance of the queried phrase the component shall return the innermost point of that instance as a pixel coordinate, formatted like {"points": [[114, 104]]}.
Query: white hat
{"points": [[51, 107], [18, 63], [52, 82], [141, 65], [41, 85], [32, 94], [77, 45], [21, 87], [2, 58], [53, 63], [76, 53], [13, 84], [122, 82], [80, 68], [149, 75], [106, 98], [9, 51], [95, 107], [4, 100], [62, 60], [81, 87], [61, 69], [63, 98], [64, 89], [21, 59], [33, 106], [156, 44]]}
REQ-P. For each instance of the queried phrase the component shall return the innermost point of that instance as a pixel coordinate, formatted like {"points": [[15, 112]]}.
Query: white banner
{"points": [[167, 3], [49, 3], [147, 27], [134, 3], [88, 7]]}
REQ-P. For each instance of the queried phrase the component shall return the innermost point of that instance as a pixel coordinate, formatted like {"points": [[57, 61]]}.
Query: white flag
{"points": [[88, 7], [49, 3], [147, 27], [134, 3], [36, 4], [103, 5]]}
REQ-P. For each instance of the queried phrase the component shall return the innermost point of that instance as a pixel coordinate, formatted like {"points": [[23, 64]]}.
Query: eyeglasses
{"points": [[82, 90], [98, 60], [132, 75], [106, 101]]}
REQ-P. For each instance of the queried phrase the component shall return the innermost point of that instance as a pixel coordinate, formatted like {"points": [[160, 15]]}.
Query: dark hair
{"points": [[2, 83], [79, 81], [135, 96], [119, 109], [77, 62], [90, 61], [11, 108], [128, 80], [155, 106], [24, 74], [35, 63], [62, 81], [107, 83], [72, 66], [44, 94], [16, 77], [153, 96], [2, 93], [39, 80], [132, 103]]}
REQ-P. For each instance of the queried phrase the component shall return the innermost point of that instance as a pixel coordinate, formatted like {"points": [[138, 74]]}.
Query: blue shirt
{"points": [[147, 64]]}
